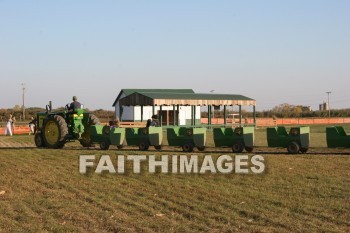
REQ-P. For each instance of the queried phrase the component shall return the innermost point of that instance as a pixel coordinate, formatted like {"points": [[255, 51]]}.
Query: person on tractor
{"points": [[75, 105]]}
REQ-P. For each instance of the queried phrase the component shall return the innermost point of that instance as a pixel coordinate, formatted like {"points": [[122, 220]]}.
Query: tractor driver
{"points": [[75, 105]]}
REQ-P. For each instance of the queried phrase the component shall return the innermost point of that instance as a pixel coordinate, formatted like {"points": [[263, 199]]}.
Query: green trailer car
{"points": [[187, 138], [144, 137], [238, 138], [106, 136], [297, 140], [337, 137]]}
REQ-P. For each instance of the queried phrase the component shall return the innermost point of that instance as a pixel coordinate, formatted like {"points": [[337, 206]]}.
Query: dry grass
{"points": [[44, 191]]}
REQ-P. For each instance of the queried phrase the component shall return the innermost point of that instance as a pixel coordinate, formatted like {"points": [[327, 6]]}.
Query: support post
{"points": [[120, 113], [178, 114], [209, 115], [141, 113], [174, 115], [240, 115], [153, 108], [194, 115], [254, 116], [160, 116], [167, 118], [225, 115], [191, 115]]}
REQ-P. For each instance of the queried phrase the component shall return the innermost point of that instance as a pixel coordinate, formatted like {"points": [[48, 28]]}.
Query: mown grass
{"points": [[44, 191]]}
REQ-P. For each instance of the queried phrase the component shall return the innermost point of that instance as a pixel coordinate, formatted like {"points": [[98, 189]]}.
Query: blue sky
{"points": [[273, 51]]}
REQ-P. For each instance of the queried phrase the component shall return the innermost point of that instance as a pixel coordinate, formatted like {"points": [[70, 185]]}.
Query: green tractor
{"points": [[54, 129]]}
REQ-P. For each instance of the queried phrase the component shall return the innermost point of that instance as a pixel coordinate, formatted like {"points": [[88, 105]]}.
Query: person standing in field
{"points": [[32, 127], [8, 127], [13, 124]]}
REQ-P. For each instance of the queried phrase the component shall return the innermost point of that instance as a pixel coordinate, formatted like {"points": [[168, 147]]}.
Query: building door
{"points": [[171, 117], [168, 117]]}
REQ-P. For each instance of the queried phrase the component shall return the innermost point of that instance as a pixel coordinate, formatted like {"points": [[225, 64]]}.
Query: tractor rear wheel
{"points": [[39, 141], [55, 131], [85, 140]]}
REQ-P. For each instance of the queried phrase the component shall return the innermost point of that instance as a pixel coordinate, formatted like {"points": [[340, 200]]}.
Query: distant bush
{"points": [[103, 115]]}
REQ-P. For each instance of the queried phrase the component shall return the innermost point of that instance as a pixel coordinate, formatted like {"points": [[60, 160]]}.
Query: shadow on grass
{"points": [[209, 150]]}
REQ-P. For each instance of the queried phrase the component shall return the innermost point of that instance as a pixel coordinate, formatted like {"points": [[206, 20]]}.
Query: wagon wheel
{"points": [[237, 147], [143, 145], [187, 147], [104, 145], [293, 148], [249, 149], [303, 150], [201, 148], [159, 147]]}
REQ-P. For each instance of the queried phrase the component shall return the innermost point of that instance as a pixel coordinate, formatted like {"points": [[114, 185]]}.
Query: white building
{"points": [[166, 113], [174, 106]]}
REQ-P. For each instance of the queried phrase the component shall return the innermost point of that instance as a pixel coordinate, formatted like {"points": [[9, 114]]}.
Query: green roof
{"points": [[194, 96], [160, 91], [131, 91]]}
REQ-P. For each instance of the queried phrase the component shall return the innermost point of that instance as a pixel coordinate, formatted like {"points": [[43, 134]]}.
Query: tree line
{"points": [[285, 111], [103, 115]]}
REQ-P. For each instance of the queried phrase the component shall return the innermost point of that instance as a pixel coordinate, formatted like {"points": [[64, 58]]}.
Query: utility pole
{"points": [[23, 107], [329, 108]]}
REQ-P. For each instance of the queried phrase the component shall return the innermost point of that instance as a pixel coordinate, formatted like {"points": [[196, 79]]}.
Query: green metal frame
{"points": [[337, 137], [152, 135], [178, 136], [114, 136], [227, 137], [278, 136]]}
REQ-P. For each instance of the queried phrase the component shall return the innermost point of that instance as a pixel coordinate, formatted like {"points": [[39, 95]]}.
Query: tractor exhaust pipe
{"points": [[49, 107]]}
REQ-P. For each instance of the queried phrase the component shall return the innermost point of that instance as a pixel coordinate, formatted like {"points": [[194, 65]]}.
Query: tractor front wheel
{"points": [[85, 140], [39, 141]]}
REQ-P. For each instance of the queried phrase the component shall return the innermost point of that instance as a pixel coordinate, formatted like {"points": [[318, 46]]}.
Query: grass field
{"points": [[42, 190]]}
